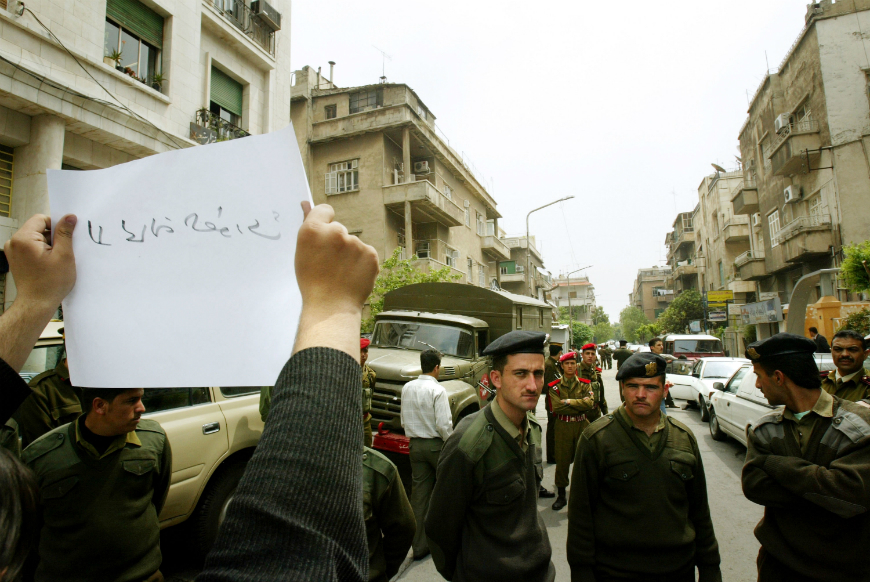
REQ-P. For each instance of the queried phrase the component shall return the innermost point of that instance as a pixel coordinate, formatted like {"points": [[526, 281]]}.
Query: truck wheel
{"points": [[213, 504], [715, 430], [705, 412]]}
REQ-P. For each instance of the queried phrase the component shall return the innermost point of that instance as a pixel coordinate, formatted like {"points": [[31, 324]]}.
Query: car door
{"points": [[749, 405], [197, 433], [241, 408], [681, 379], [725, 401]]}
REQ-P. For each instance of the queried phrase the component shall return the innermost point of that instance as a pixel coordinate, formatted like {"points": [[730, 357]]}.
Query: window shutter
{"points": [[138, 19], [225, 91]]}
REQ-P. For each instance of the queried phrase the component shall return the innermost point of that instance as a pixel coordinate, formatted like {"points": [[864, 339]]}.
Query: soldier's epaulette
{"points": [[597, 369], [676, 423], [476, 437], [554, 382], [37, 379], [44, 444], [598, 426], [379, 463], [584, 380], [774, 416], [865, 380], [148, 425]]}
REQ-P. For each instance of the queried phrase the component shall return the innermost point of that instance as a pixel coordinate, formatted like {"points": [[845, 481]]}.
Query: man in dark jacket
{"points": [[483, 521], [821, 341]]}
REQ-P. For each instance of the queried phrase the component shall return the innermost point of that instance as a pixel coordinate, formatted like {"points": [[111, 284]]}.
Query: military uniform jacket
{"points": [[54, 402], [389, 518], [483, 521], [368, 385], [857, 388], [596, 382], [100, 515], [621, 355], [816, 505], [636, 512], [551, 373], [576, 389]]}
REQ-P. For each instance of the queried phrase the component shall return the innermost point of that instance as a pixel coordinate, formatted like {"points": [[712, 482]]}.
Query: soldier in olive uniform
{"points": [[104, 479], [483, 521], [622, 354], [390, 523], [368, 387], [808, 464], [639, 509], [571, 398], [589, 371], [850, 381], [54, 402], [608, 356], [552, 372]]}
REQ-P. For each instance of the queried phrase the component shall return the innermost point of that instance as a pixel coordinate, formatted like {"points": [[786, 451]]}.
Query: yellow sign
{"points": [[719, 296], [711, 305]]}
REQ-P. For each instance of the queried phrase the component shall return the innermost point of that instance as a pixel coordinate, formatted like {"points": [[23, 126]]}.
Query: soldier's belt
{"points": [[571, 417]]}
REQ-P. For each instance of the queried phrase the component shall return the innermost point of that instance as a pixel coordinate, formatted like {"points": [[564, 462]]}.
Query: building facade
{"points": [[575, 292], [680, 243], [651, 293], [524, 273], [374, 153], [137, 77]]}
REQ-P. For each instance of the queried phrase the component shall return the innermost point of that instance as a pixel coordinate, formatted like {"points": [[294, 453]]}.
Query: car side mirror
{"points": [[719, 386], [696, 375]]}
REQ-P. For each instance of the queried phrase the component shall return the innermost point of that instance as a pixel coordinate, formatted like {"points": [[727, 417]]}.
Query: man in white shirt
{"points": [[428, 422]]}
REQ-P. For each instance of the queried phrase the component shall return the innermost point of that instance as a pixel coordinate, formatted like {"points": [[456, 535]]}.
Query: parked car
{"points": [[737, 404], [695, 381]]}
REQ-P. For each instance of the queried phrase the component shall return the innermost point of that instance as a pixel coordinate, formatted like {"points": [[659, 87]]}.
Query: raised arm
{"points": [[297, 513], [758, 486]]}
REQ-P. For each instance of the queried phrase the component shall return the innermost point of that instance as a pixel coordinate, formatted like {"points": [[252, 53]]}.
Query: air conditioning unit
{"points": [[421, 167], [521, 269], [756, 219], [423, 250], [781, 122], [792, 194], [267, 14]]}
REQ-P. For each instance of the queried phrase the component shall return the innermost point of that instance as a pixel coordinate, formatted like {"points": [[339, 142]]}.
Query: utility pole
{"points": [[570, 310]]}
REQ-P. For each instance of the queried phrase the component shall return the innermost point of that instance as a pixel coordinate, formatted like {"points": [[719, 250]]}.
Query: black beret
{"points": [[642, 365], [781, 344], [518, 342]]}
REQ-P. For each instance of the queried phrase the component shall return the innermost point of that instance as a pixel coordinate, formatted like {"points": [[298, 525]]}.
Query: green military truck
{"points": [[459, 321]]}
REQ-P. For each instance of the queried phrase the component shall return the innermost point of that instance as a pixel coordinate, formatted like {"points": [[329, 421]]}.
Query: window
{"points": [[136, 33], [343, 177], [159, 399], [481, 275], [448, 340], [490, 228], [331, 111], [481, 224], [231, 391], [226, 97], [801, 113], [572, 295], [448, 192], [365, 100], [773, 224], [815, 205], [467, 217], [470, 269], [6, 154], [450, 256], [422, 250]]}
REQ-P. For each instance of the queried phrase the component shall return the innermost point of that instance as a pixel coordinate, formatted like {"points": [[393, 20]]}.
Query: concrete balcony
{"points": [[736, 229], [685, 270], [495, 248], [513, 278], [796, 149], [683, 237], [745, 198], [805, 238], [428, 204], [428, 265], [739, 286]]}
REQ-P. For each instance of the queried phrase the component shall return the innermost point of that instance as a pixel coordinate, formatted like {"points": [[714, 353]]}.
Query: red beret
{"points": [[588, 347], [568, 356], [364, 343]]}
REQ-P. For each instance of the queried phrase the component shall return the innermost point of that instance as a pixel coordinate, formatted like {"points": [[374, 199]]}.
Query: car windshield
{"points": [[697, 346], [41, 358], [680, 367], [720, 369], [422, 336]]}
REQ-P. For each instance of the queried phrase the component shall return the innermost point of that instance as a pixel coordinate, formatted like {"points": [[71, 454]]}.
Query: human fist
{"points": [[44, 274]]}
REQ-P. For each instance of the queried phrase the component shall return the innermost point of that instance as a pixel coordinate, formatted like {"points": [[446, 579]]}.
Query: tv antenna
{"points": [[384, 58]]}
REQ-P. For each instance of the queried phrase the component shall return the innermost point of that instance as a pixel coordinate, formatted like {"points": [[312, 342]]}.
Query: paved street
{"points": [[733, 516]]}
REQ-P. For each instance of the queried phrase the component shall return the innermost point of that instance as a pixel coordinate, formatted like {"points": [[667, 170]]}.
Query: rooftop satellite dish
{"points": [[739, 159], [719, 168]]}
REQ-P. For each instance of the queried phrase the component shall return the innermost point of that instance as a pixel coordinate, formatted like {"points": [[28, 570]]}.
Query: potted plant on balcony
{"points": [[114, 58], [157, 81]]}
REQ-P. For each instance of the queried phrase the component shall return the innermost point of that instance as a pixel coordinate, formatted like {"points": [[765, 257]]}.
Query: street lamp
{"points": [[570, 311], [529, 243]]}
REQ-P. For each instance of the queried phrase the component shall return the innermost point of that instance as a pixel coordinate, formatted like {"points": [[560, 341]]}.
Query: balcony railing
{"points": [[797, 225], [805, 126], [744, 258], [223, 129], [240, 15]]}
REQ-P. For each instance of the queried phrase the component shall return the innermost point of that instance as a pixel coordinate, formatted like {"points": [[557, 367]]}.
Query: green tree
{"points": [[603, 332], [598, 317], [858, 321], [630, 319], [397, 272], [686, 307], [648, 331], [853, 270]]}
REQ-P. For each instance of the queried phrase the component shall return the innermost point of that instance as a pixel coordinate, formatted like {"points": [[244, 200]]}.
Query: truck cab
{"points": [[693, 346]]}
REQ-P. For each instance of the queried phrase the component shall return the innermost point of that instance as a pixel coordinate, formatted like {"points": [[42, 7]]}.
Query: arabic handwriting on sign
{"points": [[132, 235], [99, 240]]}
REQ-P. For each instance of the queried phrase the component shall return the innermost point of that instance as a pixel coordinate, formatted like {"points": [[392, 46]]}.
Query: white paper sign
{"points": [[185, 265]]}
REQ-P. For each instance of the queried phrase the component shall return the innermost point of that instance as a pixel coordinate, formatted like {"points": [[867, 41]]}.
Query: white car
{"points": [[736, 406], [694, 381]]}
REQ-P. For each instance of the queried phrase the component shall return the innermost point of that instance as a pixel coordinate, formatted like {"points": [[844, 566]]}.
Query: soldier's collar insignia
{"points": [[651, 369], [753, 354]]}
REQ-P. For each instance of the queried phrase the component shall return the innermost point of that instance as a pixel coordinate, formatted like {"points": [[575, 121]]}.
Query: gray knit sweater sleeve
{"points": [[297, 513]]}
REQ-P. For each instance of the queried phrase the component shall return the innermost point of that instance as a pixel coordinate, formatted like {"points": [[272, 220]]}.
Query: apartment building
{"points": [[374, 153], [680, 243], [514, 275], [803, 145], [575, 292], [651, 293], [137, 77]]}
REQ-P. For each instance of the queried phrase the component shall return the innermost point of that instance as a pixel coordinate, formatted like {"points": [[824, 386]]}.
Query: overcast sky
{"points": [[623, 105]]}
